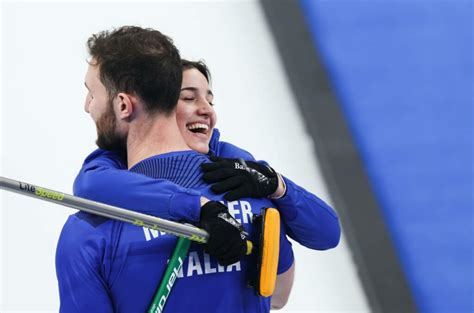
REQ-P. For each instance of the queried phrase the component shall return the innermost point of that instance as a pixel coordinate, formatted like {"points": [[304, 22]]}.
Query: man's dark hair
{"points": [[199, 65], [139, 61]]}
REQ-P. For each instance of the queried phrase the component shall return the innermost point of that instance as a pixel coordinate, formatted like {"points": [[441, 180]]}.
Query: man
{"points": [[107, 266]]}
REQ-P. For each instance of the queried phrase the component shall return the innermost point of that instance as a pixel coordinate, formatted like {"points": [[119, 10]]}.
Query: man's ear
{"points": [[125, 105]]}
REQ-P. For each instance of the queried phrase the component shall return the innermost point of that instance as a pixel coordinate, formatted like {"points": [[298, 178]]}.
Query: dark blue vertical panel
{"points": [[403, 72]]}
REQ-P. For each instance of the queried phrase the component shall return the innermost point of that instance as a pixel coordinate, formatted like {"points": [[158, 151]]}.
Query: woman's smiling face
{"points": [[195, 114]]}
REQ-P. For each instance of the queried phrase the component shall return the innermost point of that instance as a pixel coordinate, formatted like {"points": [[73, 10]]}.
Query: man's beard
{"points": [[107, 136]]}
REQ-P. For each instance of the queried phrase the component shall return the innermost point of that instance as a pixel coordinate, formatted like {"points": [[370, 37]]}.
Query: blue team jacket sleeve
{"points": [[104, 178], [82, 287], [309, 220]]}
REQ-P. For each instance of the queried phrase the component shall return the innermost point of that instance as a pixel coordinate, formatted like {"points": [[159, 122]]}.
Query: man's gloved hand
{"points": [[226, 236], [230, 176]]}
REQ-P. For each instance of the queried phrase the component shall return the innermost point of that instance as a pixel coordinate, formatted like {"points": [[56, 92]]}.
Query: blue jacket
{"points": [[109, 266]]}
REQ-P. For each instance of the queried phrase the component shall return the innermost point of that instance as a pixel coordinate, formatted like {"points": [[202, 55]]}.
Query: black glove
{"points": [[232, 177], [226, 236]]}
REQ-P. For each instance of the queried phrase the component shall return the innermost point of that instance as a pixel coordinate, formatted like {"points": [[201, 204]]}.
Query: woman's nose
{"points": [[205, 107]]}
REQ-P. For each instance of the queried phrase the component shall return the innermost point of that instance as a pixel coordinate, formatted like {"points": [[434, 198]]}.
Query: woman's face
{"points": [[195, 114]]}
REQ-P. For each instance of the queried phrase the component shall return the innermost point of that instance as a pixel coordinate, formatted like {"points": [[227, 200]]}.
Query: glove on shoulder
{"points": [[237, 181]]}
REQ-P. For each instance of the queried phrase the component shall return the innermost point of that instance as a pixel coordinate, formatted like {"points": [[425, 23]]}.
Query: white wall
{"points": [[45, 133]]}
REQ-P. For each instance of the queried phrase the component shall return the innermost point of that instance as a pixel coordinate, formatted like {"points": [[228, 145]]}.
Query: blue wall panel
{"points": [[404, 74]]}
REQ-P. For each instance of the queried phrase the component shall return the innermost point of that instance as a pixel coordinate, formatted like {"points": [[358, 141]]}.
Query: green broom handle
{"points": [[171, 274]]}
